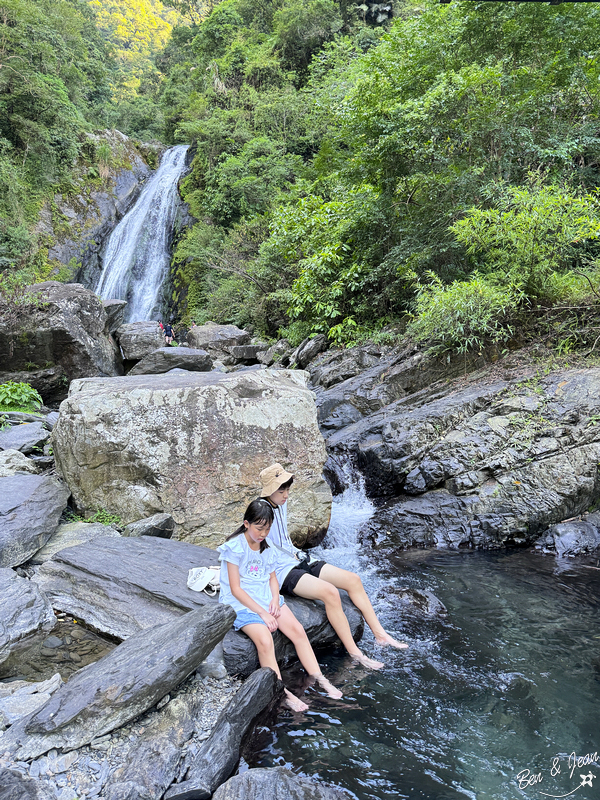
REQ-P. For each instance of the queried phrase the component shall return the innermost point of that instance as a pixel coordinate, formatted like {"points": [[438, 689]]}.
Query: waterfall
{"points": [[137, 256]]}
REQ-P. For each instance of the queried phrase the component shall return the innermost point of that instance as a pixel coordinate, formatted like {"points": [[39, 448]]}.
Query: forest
{"points": [[369, 170]]}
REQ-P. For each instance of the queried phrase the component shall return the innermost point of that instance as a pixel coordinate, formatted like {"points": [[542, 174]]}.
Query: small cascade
{"points": [[137, 256]]}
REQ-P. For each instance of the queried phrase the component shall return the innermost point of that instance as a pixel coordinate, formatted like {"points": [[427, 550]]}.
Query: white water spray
{"points": [[136, 261]]}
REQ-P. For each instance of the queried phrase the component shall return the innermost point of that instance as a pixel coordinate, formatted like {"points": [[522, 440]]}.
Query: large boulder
{"points": [[128, 681], [490, 464], [277, 783], [64, 327], [115, 314], [216, 337], [24, 610], [13, 461], [139, 339], [121, 586], [192, 445], [30, 510], [167, 358]]}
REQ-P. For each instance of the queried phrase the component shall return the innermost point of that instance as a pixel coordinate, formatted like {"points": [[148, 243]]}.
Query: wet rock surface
{"points": [[23, 611], [573, 538], [277, 783], [167, 358], [30, 510], [117, 442], [126, 682], [124, 585]]}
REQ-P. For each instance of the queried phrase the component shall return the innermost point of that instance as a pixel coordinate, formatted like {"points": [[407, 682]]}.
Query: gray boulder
{"points": [[575, 538], [25, 438], [115, 314], [13, 461], [138, 339], [153, 761], [216, 337], [279, 353], [219, 754], [20, 698], [30, 510], [309, 349], [16, 786], [340, 365], [277, 783], [65, 329], [245, 352], [123, 586], [69, 535], [161, 525], [192, 445], [122, 685], [168, 358], [24, 610]]}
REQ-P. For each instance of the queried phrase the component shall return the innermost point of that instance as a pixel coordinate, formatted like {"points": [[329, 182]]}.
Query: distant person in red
{"points": [[161, 326], [168, 334]]}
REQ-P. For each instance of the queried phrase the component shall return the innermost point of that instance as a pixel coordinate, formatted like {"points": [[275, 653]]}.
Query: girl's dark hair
{"points": [[258, 512], [287, 484]]}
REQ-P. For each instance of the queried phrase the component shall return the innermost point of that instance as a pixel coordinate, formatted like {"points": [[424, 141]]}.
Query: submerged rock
{"points": [[30, 510], [219, 754], [192, 445], [23, 611], [124, 585], [277, 783], [123, 684]]}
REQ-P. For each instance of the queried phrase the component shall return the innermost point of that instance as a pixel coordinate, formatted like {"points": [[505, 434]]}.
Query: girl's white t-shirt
{"points": [[255, 571]]}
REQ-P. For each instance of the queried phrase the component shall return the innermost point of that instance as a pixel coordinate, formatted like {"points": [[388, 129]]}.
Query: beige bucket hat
{"points": [[272, 478]]}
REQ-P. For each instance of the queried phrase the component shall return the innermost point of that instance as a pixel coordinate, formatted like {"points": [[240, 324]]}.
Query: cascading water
{"points": [[484, 700], [137, 256]]}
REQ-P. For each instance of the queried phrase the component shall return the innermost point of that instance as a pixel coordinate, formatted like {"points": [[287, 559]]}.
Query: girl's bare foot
{"points": [[366, 661], [294, 703], [385, 639], [329, 687]]}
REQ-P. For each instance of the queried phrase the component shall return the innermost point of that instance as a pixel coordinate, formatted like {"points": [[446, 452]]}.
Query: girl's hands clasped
{"points": [[269, 621]]}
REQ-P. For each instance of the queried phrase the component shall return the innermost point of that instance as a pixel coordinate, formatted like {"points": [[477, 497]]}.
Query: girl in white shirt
{"points": [[249, 584]]}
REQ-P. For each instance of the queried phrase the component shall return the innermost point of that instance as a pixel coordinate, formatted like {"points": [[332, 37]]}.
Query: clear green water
{"points": [[509, 681]]}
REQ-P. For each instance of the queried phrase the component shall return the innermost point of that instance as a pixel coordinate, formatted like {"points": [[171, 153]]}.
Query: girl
{"points": [[316, 580], [249, 585]]}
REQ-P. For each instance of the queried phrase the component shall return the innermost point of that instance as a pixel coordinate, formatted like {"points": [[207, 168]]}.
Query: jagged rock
{"points": [[30, 509], [13, 461], [122, 586], [168, 358], [216, 337], [574, 538], [69, 535], [126, 682], [279, 353], [153, 761], [23, 611], [26, 438], [15, 786], [65, 330], [245, 352], [219, 754], [161, 525], [277, 783], [115, 314], [309, 349], [138, 339], [192, 445], [334, 367], [23, 698]]}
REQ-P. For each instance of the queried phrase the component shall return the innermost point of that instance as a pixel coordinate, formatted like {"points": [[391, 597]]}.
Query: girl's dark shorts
{"points": [[294, 575]]}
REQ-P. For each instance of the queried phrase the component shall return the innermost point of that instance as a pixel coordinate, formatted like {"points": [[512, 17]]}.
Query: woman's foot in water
{"points": [[327, 686], [293, 703], [366, 661], [385, 640]]}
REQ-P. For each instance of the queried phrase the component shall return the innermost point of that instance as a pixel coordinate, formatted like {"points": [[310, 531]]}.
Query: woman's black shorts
{"points": [[294, 575]]}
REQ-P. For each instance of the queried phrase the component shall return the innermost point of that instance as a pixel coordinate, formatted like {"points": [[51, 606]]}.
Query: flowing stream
{"points": [[508, 682], [137, 256]]}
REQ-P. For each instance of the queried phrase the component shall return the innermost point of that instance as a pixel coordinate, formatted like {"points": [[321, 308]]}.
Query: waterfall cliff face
{"points": [[137, 256]]}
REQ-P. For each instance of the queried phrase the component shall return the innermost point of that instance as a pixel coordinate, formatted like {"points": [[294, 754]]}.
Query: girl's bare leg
{"points": [[290, 627], [316, 589], [263, 640], [343, 579]]}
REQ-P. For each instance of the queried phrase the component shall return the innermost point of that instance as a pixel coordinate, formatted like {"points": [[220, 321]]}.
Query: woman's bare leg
{"points": [[263, 640], [290, 627], [350, 581], [316, 589]]}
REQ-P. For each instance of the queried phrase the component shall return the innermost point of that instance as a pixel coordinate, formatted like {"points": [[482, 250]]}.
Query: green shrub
{"points": [[463, 315], [19, 397]]}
